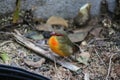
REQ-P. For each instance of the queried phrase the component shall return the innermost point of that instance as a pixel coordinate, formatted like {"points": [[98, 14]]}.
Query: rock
{"points": [[47, 8]]}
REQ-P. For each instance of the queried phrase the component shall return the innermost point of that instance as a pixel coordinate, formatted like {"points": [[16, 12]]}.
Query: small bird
{"points": [[61, 44]]}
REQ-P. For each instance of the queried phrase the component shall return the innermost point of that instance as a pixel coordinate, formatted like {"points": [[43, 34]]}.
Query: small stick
{"points": [[5, 42], [100, 58], [109, 68]]}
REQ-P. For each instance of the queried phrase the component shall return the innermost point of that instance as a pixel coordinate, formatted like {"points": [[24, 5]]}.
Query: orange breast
{"points": [[55, 46]]}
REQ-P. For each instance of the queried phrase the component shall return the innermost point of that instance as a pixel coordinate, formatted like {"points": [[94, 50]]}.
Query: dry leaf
{"points": [[96, 32], [35, 64], [34, 35], [84, 57], [80, 34], [44, 27], [56, 20], [5, 57], [37, 37], [77, 37]]}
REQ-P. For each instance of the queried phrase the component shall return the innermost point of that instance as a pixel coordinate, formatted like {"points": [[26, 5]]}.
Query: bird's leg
{"points": [[55, 63]]}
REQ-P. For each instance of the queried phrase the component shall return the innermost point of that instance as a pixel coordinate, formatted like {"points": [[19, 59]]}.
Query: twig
{"points": [[11, 25], [5, 42], [95, 39], [109, 68], [25, 42], [100, 59], [7, 33]]}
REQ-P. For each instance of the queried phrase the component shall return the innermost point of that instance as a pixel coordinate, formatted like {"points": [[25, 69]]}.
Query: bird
{"points": [[60, 44]]}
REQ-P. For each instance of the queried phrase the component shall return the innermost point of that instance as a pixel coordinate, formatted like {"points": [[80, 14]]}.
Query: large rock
{"points": [[47, 8]]}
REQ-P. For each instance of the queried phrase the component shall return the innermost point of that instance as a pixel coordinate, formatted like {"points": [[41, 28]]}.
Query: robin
{"points": [[61, 44]]}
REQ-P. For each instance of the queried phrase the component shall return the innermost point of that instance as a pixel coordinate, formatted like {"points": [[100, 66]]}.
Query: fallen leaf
{"points": [[41, 42], [80, 34], [44, 27], [5, 57], [77, 37], [34, 64], [34, 35], [84, 57], [56, 20], [96, 32], [37, 37], [84, 29]]}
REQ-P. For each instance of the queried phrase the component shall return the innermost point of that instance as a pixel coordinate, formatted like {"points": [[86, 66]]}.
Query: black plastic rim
{"points": [[14, 73]]}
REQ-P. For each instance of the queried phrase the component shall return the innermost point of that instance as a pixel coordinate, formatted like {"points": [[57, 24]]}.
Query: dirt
{"points": [[101, 48]]}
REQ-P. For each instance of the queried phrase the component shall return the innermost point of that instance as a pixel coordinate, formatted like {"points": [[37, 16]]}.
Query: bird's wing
{"points": [[66, 45]]}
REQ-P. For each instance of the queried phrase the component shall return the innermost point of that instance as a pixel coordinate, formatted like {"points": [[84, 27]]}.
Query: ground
{"points": [[103, 46]]}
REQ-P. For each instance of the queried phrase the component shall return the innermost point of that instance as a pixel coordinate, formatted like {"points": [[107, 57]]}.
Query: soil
{"points": [[104, 50]]}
